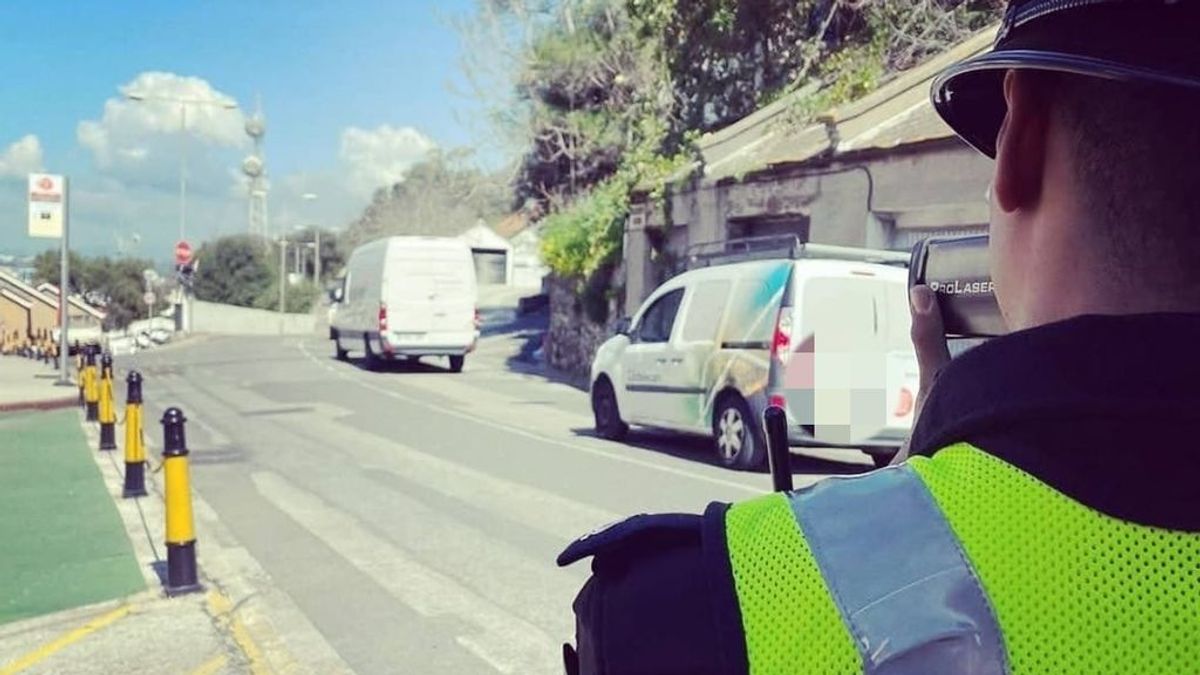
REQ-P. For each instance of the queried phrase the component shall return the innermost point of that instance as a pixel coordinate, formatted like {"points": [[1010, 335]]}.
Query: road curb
{"points": [[240, 600], [46, 404]]}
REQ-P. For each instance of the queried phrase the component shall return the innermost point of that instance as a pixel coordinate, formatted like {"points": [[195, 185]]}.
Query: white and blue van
{"points": [[821, 331]]}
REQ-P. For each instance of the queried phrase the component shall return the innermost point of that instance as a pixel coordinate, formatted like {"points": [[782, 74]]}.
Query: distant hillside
{"points": [[441, 196]]}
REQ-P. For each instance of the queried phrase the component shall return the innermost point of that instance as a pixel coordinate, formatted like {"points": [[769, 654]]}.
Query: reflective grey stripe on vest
{"points": [[897, 574]]}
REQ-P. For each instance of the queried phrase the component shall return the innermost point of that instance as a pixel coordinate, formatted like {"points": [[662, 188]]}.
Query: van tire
{"points": [[339, 353], [372, 361], [737, 439], [456, 363], [609, 424]]}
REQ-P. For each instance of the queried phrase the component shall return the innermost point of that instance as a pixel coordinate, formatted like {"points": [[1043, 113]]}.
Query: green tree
{"points": [[443, 195], [234, 270], [333, 253], [608, 94], [114, 285]]}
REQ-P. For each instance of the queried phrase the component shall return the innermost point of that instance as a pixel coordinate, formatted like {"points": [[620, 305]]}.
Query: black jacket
{"points": [[1105, 409]]}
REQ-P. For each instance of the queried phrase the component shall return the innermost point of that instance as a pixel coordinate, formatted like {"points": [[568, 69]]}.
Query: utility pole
{"points": [[182, 306], [64, 292], [282, 279], [317, 260]]}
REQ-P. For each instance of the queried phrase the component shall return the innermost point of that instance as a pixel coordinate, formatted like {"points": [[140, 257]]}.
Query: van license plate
{"points": [[409, 337]]}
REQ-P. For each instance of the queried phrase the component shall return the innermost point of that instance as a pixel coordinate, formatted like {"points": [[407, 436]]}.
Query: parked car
{"points": [[407, 297], [160, 335], [821, 331], [143, 340], [118, 346]]}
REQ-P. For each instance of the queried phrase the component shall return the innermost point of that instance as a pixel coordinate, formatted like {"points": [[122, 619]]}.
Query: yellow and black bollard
{"points": [[181, 536], [91, 384], [135, 449], [107, 410], [79, 375]]}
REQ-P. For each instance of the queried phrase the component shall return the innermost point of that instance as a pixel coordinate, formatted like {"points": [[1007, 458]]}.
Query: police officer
{"points": [[1047, 519]]}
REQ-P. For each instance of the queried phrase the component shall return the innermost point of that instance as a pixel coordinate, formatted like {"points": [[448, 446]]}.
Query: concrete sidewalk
{"points": [[26, 384], [80, 592]]}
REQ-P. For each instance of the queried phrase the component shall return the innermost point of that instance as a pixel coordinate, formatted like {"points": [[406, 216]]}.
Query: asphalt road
{"points": [[412, 516]]}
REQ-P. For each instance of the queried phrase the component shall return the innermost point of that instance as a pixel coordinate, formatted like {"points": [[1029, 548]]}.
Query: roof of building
{"points": [[75, 300], [482, 237], [512, 225], [51, 300], [4, 292], [898, 113], [29, 291]]}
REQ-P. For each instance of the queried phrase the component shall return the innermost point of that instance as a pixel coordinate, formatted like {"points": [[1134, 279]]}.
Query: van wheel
{"points": [[338, 352], [456, 363], [738, 440], [609, 424], [372, 361]]}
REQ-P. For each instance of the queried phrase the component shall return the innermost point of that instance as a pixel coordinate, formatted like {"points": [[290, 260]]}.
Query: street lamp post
{"points": [[282, 279], [311, 197], [183, 104]]}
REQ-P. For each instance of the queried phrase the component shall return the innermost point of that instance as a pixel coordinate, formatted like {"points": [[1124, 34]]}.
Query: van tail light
{"points": [[781, 344], [383, 317], [904, 405], [478, 319], [777, 401]]}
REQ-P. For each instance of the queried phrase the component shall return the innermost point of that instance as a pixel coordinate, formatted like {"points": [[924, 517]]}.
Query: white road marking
{"points": [[540, 509], [537, 437], [506, 642]]}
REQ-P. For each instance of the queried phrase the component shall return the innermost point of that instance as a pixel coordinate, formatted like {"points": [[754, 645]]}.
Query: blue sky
{"points": [[388, 69]]}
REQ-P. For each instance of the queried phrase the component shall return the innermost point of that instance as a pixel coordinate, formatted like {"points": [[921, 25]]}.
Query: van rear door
{"points": [[430, 292], [903, 375], [837, 382]]}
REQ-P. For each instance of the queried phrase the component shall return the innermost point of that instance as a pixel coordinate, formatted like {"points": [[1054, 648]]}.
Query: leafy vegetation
{"points": [[442, 195], [243, 270], [610, 94], [236, 270], [114, 285]]}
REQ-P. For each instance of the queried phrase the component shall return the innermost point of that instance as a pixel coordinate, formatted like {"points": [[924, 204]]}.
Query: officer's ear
{"points": [[1022, 143]]}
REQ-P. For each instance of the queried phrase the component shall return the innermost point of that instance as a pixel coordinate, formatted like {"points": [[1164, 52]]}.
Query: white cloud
{"points": [[132, 134], [22, 157], [135, 148], [374, 158]]}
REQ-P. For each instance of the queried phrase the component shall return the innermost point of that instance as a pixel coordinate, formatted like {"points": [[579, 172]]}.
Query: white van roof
{"points": [[416, 242], [804, 268], [427, 242]]}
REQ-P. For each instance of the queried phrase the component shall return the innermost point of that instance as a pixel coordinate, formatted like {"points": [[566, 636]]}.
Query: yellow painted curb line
{"points": [[222, 607], [47, 650]]}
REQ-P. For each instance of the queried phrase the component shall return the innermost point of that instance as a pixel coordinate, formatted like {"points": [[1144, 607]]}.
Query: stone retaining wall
{"points": [[573, 337]]}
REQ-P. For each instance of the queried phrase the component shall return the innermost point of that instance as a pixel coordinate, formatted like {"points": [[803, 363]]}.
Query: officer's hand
{"points": [[929, 339]]}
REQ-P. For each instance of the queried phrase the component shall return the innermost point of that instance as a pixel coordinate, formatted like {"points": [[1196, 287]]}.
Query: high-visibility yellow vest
{"points": [[959, 563]]}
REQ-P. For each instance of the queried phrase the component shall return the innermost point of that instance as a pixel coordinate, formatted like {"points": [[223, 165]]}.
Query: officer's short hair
{"points": [[1137, 155]]}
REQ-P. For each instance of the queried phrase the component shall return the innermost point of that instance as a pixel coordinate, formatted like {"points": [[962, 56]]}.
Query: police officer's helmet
{"points": [[1152, 41]]}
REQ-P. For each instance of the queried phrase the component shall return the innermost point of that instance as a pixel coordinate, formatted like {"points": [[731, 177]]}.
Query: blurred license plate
{"points": [[409, 337]]}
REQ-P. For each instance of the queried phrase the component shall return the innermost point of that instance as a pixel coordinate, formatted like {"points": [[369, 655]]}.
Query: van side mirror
{"points": [[623, 326], [336, 294]]}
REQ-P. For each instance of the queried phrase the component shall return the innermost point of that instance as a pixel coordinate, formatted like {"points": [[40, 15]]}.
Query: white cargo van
{"points": [[407, 297], [821, 331]]}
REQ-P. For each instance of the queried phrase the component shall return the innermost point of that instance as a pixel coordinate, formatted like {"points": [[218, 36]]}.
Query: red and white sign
{"points": [[183, 253], [47, 205]]}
